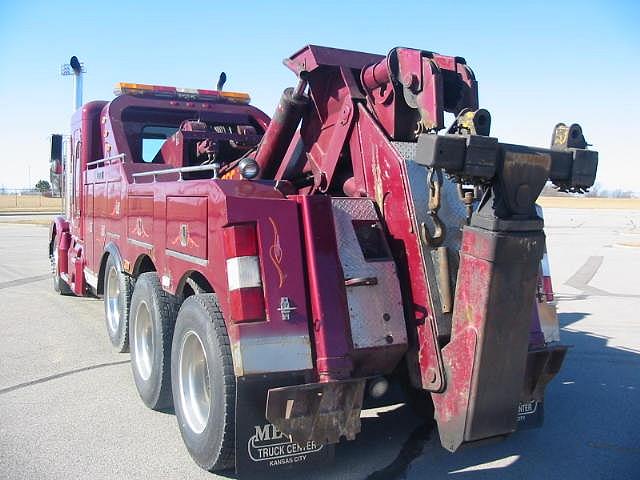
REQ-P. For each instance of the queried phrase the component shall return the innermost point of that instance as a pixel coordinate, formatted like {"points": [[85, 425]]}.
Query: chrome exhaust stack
{"points": [[75, 68]]}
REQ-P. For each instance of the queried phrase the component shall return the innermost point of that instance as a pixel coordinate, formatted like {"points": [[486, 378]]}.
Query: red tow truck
{"points": [[271, 276]]}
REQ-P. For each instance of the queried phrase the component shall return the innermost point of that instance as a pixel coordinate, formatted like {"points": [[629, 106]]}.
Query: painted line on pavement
{"points": [[23, 281], [60, 375], [581, 278]]}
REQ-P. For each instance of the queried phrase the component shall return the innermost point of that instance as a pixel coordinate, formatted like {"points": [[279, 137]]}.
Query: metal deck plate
{"points": [[368, 304]]}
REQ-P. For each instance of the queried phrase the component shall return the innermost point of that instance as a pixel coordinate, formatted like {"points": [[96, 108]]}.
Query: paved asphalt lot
{"points": [[69, 409]]}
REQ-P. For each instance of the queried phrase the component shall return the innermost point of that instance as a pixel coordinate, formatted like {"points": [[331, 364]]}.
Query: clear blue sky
{"points": [[537, 63]]}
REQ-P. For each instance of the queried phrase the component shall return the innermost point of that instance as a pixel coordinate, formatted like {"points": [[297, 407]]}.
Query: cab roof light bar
{"points": [[160, 91]]}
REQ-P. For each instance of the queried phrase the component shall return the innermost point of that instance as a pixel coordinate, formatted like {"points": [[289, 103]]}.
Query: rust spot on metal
{"points": [[377, 176]]}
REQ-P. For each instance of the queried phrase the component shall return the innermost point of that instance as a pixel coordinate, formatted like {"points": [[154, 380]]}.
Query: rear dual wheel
{"points": [[152, 319], [182, 353], [203, 383]]}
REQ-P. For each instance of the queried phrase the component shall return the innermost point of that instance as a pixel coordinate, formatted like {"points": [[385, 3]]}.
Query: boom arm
{"points": [[370, 129]]}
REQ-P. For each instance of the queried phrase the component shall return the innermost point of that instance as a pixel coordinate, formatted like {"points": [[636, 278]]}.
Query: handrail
{"points": [[106, 159], [179, 171]]}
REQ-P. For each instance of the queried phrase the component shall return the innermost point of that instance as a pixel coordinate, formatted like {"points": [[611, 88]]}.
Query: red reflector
{"points": [[241, 240], [547, 288], [247, 305], [208, 93]]}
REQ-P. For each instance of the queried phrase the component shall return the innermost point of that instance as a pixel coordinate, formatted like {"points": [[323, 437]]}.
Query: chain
{"points": [[468, 196], [434, 184]]}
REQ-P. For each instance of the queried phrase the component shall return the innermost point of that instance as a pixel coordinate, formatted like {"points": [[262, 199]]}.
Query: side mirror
{"points": [[56, 148], [56, 167], [55, 162]]}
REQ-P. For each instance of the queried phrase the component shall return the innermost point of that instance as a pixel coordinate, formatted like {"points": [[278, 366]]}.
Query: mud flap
{"points": [[542, 365], [318, 412], [530, 415], [261, 448]]}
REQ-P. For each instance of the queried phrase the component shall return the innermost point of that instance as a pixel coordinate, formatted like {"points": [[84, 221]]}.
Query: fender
{"points": [[76, 264], [110, 249], [58, 224], [196, 280]]}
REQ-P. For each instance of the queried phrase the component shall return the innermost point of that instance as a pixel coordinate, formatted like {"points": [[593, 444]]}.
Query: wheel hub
{"points": [[143, 341], [194, 382], [54, 261], [113, 297]]}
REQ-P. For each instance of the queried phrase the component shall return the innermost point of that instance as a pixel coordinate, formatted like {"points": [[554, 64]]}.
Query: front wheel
{"points": [[117, 299], [203, 383], [59, 285]]}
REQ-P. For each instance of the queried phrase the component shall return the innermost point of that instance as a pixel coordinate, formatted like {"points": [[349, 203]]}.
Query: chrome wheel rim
{"points": [[54, 261], [193, 374], [143, 341], [113, 294]]}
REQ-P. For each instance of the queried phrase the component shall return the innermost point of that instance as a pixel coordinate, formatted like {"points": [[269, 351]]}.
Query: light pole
{"points": [[75, 68]]}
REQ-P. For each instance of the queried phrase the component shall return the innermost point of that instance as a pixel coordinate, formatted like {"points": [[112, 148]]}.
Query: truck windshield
{"points": [[153, 137]]}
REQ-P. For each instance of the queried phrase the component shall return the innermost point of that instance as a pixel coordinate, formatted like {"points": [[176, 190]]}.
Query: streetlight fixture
{"points": [[75, 68]]}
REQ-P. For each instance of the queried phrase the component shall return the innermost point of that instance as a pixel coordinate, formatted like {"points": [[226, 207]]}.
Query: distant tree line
{"points": [[43, 187], [596, 191]]}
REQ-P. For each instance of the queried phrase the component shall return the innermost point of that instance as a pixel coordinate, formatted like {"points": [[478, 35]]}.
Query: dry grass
{"points": [[629, 244], [591, 203]]}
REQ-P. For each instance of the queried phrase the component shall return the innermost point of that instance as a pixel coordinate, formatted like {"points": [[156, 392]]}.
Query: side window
{"points": [[153, 137], [77, 154]]}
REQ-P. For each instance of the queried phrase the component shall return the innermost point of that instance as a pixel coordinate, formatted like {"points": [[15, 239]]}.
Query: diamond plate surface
{"points": [[368, 303], [344, 211]]}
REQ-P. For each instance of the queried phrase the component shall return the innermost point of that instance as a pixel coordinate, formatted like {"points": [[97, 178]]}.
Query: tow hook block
{"points": [[319, 412]]}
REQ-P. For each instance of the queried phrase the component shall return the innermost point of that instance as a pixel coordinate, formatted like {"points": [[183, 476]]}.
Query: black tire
{"points": [[420, 402], [212, 447], [117, 300], [59, 285], [417, 399], [151, 322]]}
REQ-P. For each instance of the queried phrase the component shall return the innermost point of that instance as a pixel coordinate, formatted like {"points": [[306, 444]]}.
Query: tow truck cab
{"points": [[112, 141]]}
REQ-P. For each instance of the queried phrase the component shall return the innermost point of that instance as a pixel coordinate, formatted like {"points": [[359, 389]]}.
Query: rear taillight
{"points": [[547, 287], [246, 296]]}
